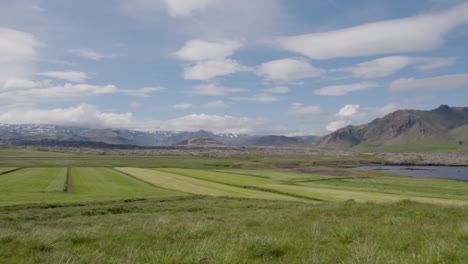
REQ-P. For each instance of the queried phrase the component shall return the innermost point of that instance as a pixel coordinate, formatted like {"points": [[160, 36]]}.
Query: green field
{"points": [[158, 209], [44, 185]]}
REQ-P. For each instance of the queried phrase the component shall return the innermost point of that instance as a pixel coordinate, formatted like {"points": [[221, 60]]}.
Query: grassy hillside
{"points": [[442, 129]]}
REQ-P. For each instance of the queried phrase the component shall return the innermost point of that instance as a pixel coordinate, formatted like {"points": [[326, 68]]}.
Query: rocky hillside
{"points": [[444, 128]]}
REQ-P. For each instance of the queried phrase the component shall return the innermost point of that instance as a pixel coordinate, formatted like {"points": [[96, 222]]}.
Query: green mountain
{"points": [[441, 129]]}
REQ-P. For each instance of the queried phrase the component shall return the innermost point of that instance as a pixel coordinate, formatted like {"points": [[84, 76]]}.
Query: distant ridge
{"points": [[41, 134], [442, 129]]}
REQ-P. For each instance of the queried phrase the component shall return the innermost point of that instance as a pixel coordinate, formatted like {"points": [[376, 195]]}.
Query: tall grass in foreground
{"points": [[218, 230]]}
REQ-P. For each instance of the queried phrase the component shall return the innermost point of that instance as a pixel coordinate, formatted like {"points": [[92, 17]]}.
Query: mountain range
{"points": [[442, 129], [33, 133]]}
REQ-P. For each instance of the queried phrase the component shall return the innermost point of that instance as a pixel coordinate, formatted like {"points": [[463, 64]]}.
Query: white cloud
{"points": [[262, 98], [16, 83], [434, 63], [88, 53], [349, 115], [278, 89], [214, 89], [81, 115], [215, 105], [143, 92], [300, 110], [217, 124], [335, 125], [209, 59], [71, 76], [387, 66], [86, 115], [380, 67], [65, 91], [17, 46], [349, 110], [18, 51], [186, 7], [441, 83], [183, 106], [339, 90], [198, 50], [287, 70], [417, 33], [206, 70]]}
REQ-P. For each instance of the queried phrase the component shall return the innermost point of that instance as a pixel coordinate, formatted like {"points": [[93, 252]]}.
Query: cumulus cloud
{"points": [[86, 115], [209, 59], [417, 33], [183, 106], [300, 110], [81, 115], [71, 76], [356, 115], [206, 70], [387, 66], [349, 110], [142, 92], [278, 89], [335, 125], [339, 90], [198, 50], [287, 70], [214, 89], [441, 83], [262, 98], [18, 51], [16, 83], [65, 91], [88, 53], [185, 8]]}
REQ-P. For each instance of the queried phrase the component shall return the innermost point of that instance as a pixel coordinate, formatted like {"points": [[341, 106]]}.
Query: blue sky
{"points": [[292, 67]]}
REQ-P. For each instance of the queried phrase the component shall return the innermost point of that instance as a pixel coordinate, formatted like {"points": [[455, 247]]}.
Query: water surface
{"points": [[442, 172]]}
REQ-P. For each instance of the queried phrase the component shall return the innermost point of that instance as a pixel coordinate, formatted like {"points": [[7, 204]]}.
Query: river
{"points": [[442, 172]]}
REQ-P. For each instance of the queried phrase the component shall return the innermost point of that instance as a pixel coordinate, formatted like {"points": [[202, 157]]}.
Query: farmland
{"points": [[77, 208]]}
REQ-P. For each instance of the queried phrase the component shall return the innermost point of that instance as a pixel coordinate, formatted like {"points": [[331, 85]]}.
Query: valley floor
{"points": [[76, 208]]}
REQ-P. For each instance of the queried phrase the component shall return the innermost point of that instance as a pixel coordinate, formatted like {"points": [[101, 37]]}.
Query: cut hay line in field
{"points": [[7, 170], [68, 182], [329, 192], [195, 186], [237, 180]]}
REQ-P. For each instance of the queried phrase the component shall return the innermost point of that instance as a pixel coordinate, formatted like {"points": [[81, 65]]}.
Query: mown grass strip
{"points": [[316, 192], [57, 184], [235, 180], [137, 179], [196, 186], [103, 182]]}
